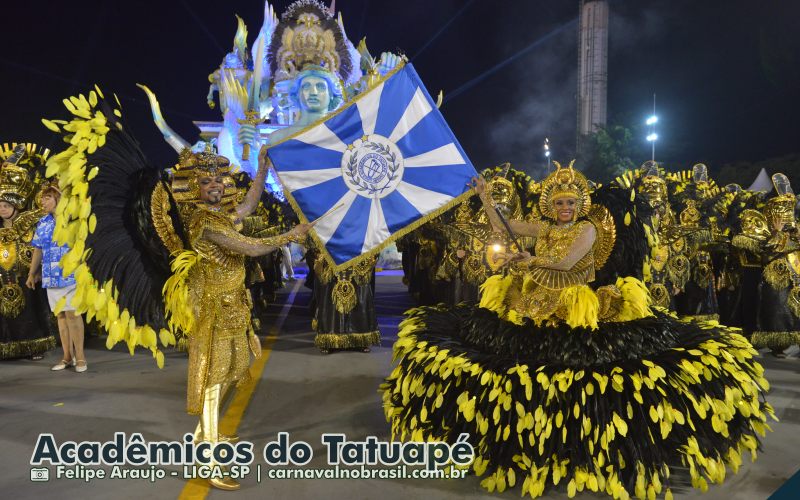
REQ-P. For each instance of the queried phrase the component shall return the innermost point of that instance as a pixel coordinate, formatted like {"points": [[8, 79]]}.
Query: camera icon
{"points": [[40, 474]]}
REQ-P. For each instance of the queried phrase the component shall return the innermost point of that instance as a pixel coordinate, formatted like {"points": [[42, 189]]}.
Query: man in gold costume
{"points": [[222, 338], [167, 253], [668, 264], [700, 236]]}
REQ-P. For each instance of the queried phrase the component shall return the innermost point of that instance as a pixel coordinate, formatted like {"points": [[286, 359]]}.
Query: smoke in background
{"points": [[545, 84], [545, 81]]}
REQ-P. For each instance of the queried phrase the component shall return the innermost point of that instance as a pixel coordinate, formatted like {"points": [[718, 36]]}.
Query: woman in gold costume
{"points": [[25, 329], [565, 375]]}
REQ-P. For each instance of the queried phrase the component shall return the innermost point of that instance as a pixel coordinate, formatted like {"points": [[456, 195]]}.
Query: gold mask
{"points": [[754, 224]]}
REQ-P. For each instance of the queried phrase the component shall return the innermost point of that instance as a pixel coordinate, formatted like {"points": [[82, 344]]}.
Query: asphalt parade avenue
{"points": [[298, 391]]}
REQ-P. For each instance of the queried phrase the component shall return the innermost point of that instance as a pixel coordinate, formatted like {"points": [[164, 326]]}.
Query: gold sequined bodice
{"points": [[218, 279], [534, 293], [553, 244]]}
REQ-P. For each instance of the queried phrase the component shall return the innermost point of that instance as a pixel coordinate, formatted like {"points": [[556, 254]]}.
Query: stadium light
{"points": [[652, 136], [547, 152]]}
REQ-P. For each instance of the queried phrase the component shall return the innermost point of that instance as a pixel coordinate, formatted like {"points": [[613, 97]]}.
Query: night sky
{"points": [[726, 73]]}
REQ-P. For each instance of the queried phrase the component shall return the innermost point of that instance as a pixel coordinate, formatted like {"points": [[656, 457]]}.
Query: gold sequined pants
{"points": [[230, 358]]}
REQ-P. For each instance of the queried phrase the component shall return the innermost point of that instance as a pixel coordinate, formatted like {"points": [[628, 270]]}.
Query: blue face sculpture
{"points": [[316, 91]]}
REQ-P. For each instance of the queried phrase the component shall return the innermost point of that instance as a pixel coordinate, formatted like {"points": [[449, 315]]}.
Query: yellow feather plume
{"points": [[176, 294], [75, 221], [582, 306], [493, 293], [636, 299]]}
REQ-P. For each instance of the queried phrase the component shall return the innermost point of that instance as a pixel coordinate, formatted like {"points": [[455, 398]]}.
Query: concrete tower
{"points": [[592, 66]]}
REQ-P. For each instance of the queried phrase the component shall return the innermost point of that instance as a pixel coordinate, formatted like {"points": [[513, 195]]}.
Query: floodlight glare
{"points": [[652, 120], [652, 137], [547, 153]]}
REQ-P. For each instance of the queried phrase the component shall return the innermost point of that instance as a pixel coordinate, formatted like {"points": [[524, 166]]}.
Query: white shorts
{"points": [[55, 294]]}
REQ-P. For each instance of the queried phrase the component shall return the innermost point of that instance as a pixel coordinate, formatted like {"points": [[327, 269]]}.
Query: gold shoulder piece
{"points": [[606, 234], [159, 208], [27, 220], [201, 219]]}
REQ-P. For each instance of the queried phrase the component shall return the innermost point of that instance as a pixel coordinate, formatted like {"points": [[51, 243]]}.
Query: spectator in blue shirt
{"points": [[45, 266]]}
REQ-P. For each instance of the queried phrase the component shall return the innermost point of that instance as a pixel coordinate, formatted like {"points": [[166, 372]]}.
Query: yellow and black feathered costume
{"points": [[563, 384], [153, 262]]}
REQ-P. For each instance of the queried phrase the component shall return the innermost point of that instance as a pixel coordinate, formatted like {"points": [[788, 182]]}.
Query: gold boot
{"points": [[209, 422], [210, 400]]}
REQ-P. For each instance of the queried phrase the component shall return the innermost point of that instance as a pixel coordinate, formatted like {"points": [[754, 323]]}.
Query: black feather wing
{"points": [[125, 246], [631, 245]]}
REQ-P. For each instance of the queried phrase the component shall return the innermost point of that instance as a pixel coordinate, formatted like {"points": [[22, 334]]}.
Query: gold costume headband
{"points": [[565, 182]]}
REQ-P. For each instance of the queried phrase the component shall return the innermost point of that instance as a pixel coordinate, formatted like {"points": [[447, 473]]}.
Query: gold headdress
{"points": [[308, 34], [653, 184], [754, 224], [504, 193], [192, 166], [565, 183], [781, 207], [15, 184]]}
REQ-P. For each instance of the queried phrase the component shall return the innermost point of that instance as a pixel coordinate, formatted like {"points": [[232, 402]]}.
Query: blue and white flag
{"points": [[388, 157]]}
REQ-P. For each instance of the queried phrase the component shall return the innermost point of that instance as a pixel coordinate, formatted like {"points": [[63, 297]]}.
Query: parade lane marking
{"points": [[198, 489]]}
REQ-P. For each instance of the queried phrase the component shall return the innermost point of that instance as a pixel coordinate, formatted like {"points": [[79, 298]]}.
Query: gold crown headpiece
{"points": [[503, 192], [191, 166], [653, 184], [497, 181], [309, 34], [206, 161], [565, 182]]}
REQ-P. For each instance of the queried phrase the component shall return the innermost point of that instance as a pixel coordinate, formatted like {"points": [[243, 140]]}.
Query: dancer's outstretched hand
{"points": [[300, 231], [478, 184]]}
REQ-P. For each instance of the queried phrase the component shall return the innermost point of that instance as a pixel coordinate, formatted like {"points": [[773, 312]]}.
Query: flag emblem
{"points": [[387, 158], [372, 166]]}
